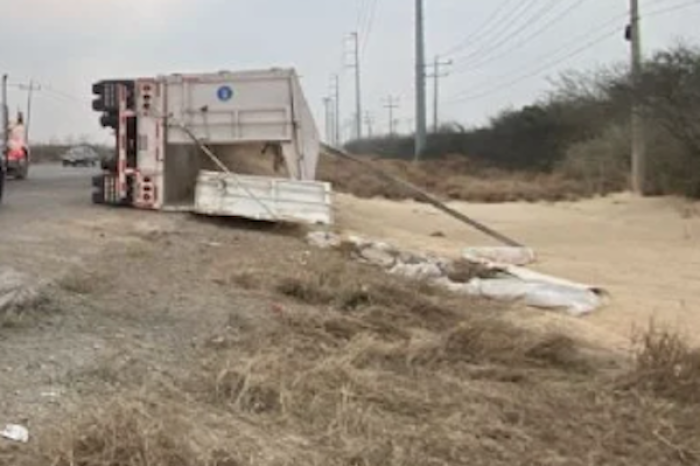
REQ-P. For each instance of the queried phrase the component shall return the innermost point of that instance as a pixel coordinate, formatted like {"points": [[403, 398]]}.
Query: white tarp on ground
{"points": [[505, 282], [500, 255]]}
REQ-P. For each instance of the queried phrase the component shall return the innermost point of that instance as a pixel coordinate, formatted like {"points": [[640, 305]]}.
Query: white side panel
{"points": [[228, 108], [263, 198], [307, 137]]}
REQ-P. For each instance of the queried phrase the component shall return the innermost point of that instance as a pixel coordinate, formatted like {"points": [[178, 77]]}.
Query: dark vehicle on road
{"points": [[81, 157]]}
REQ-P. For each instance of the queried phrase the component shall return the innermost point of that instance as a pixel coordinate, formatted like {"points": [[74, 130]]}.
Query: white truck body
{"points": [[258, 126]]}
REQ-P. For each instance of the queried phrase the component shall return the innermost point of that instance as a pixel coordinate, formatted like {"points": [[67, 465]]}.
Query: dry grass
{"points": [[454, 178], [121, 433], [80, 281], [386, 372], [29, 311], [666, 365], [359, 368]]}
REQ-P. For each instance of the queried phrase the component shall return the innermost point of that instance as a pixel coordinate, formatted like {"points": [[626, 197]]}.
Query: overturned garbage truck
{"points": [[241, 144]]}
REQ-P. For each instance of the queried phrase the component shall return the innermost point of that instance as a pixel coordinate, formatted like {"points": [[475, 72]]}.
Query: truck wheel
{"points": [[22, 172], [98, 194], [98, 197]]}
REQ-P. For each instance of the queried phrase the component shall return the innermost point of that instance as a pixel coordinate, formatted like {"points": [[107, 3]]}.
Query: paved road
{"points": [[49, 191], [38, 218]]}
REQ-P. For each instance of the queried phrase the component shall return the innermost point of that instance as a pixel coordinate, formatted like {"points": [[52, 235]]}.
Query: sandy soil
{"points": [[645, 252], [171, 313]]}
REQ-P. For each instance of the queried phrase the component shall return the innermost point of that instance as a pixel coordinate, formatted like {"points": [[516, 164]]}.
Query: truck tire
{"points": [[109, 165], [22, 172], [98, 193], [98, 197]]}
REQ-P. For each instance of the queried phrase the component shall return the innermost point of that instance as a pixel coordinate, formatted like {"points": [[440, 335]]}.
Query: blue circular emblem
{"points": [[224, 93]]}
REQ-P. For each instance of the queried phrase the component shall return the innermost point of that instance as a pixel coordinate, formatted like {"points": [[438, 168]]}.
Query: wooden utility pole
{"points": [[637, 121], [391, 104], [437, 75], [369, 121], [421, 125], [30, 92]]}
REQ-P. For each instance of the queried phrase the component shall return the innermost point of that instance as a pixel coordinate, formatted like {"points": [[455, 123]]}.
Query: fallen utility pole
{"points": [[423, 195]]}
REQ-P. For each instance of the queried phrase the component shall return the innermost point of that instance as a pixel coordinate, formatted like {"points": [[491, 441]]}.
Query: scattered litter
{"points": [[424, 271], [498, 274], [377, 255], [323, 239], [500, 255], [576, 301], [16, 433]]}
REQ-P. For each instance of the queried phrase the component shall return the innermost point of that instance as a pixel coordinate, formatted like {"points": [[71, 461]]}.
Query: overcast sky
{"points": [[67, 44]]}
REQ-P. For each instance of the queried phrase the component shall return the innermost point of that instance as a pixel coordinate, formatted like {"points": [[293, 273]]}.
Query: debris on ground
{"points": [[17, 291], [15, 433], [493, 273], [500, 255]]}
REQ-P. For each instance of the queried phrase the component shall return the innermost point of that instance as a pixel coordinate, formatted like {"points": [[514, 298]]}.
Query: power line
{"points": [[507, 36], [464, 43], [673, 8], [361, 14], [510, 19], [370, 25], [524, 41], [465, 96]]}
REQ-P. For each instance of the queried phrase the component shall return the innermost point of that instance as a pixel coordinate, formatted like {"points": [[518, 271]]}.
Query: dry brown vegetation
{"points": [[454, 178], [351, 367]]}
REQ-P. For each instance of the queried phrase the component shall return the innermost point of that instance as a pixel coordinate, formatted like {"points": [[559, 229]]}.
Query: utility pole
{"points": [[337, 138], [391, 104], [355, 38], [421, 126], [327, 101], [637, 122], [30, 91], [437, 75], [369, 121]]}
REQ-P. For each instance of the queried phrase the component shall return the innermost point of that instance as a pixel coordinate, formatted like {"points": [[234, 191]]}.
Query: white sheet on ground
{"points": [[500, 255]]}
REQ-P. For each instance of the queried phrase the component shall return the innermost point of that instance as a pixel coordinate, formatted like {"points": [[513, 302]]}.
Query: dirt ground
{"points": [[171, 340], [645, 252]]}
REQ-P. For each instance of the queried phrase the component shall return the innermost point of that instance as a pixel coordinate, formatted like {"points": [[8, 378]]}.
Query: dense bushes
{"points": [[581, 129]]}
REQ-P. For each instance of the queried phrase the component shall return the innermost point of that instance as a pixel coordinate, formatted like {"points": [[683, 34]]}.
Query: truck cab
{"points": [[17, 151]]}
